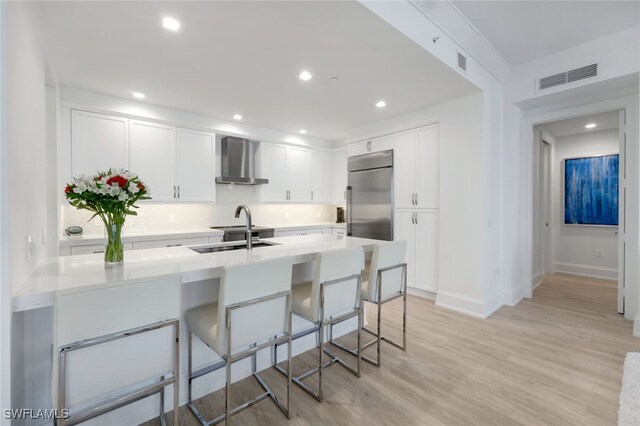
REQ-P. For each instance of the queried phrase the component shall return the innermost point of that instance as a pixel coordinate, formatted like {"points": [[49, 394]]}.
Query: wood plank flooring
{"points": [[555, 359]]}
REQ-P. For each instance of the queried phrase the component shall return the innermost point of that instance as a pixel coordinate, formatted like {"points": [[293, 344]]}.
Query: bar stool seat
{"points": [[203, 320], [301, 300]]}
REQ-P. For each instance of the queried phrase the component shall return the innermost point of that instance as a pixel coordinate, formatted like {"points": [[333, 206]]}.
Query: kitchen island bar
{"points": [[199, 275]]}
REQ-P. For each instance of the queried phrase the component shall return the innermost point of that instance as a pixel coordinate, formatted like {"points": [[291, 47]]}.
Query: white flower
{"points": [[114, 190], [133, 188], [80, 187], [123, 196]]}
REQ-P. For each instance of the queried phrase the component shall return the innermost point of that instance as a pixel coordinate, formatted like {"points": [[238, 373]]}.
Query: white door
{"points": [[545, 209], [98, 142], [152, 157], [405, 229], [426, 250], [339, 160], [427, 167], [320, 176], [404, 168], [622, 200], [298, 175], [196, 166], [272, 162]]}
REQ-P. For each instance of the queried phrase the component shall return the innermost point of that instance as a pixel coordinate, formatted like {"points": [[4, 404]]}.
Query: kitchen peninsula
{"points": [[198, 272]]}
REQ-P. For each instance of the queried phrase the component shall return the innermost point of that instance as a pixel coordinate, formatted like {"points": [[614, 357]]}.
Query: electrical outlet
{"points": [[286, 215], [44, 235], [319, 215], [29, 247], [172, 218], [598, 254]]}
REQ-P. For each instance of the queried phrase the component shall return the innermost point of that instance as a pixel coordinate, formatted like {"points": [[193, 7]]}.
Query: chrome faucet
{"points": [[247, 213]]}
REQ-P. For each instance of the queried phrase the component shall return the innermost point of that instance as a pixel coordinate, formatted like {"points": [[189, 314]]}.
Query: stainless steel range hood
{"points": [[238, 162]]}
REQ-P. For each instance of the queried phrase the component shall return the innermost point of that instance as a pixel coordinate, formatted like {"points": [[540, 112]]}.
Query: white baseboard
{"points": [[422, 293], [587, 271], [466, 305], [536, 280], [513, 297], [636, 326]]}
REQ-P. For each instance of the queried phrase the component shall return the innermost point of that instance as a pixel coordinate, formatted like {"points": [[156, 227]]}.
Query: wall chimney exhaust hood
{"points": [[238, 162]]}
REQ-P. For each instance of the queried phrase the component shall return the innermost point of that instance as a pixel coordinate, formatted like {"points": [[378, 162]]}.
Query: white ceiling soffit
{"points": [[575, 126], [526, 30], [244, 58]]}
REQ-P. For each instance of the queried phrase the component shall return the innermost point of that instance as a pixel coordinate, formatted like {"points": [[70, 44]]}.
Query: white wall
{"points": [[575, 247], [24, 73]]}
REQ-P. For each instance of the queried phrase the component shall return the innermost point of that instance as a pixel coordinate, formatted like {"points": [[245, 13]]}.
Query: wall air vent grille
{"points": [[568, 77], [462, 62]]}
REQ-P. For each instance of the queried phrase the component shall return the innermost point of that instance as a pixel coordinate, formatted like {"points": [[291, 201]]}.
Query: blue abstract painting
{"points": [[591, 190]]}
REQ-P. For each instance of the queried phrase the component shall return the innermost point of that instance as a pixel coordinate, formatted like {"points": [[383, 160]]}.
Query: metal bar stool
{"points": [[332, 297], [253, 312], [386, 280], [96, 333]]}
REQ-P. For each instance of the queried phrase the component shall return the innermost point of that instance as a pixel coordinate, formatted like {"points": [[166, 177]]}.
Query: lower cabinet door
{"points": [[426, 250], [95, 248], [405, 229]]}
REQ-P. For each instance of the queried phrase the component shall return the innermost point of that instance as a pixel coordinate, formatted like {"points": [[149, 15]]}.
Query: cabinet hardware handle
{"points": [[413, 218], [174, 245], [416, 198], [413, 199], [175, 192], [416, 218], [98, 251], [311, 195], [178, 191]]}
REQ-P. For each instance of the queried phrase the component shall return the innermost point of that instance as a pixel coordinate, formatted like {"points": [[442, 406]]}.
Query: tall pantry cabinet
{"points": [[416, 203]]}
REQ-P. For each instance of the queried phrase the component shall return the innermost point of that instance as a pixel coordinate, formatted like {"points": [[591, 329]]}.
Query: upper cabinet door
{"points": [[404, 167], [358, 148], [298, 165], [272, 166], [382, 143], [98, 142], [196, 166], [339, 165], [320, 176], [427, 167], [152, 157]]}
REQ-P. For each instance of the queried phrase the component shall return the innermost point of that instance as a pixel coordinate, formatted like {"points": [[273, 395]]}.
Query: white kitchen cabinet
{"points": [[170, 242], [381, 143], [298, 174], [98, 142], [420, 229], [320, 176], [416, 168], [152, 157], [196, 154], [95, 248], [289, 172], [339, 169], [271, 165]]}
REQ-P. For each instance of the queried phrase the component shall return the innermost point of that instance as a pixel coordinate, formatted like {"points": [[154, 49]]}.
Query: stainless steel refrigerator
{"points": [[370, 196]]}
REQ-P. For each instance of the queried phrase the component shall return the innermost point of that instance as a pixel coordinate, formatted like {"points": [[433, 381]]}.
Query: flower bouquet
{"points": [[111, 196]]}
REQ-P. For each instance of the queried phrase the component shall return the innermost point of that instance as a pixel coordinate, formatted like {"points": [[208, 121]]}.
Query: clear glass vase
{"points": [[114, 251]]}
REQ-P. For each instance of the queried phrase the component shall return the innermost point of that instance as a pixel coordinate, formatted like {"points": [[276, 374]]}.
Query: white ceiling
{"points": [[522, 31], [244, 57], [574, 126]]}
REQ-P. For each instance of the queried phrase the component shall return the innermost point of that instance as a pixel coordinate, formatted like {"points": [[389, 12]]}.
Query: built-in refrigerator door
{"points": [[370, 204]]}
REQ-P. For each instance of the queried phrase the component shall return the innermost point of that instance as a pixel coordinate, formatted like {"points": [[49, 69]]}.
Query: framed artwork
{"points": [[591, 190]]}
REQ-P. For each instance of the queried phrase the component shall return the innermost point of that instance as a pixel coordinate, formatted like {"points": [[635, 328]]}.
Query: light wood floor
{"points": [[555, 359]]}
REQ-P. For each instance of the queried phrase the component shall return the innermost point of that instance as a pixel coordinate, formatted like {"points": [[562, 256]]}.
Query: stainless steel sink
{"points": [[234, 245]]}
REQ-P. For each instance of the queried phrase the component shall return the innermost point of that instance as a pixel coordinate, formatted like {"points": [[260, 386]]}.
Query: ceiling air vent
{"points": [[462, 62], [568, 77]]}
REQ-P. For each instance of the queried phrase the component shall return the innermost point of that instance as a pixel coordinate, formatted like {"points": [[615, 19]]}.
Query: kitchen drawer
{"points": [[94, 248], [173, 242], [213, 240], [342, 232]]}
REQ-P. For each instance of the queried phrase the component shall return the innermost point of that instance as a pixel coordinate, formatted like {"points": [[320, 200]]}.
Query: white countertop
{"points": [[86, 272], [91, 239]]}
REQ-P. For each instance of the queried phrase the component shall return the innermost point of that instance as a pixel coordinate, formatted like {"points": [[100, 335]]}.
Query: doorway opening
{"points": [[579, 199]]}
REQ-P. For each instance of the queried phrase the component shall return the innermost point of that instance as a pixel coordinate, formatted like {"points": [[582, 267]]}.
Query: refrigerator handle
{"points": [[348, 211]]}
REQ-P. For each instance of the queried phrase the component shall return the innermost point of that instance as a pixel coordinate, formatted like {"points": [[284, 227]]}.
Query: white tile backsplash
{"points": [[174, 217]]}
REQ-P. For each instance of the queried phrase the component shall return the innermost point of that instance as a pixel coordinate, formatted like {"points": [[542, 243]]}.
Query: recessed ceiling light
{"points": [[334, 79], [305, 76], [302, 132], [139, 95], [170, 23], [590, 126], [381, 104], [237, 117]]}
